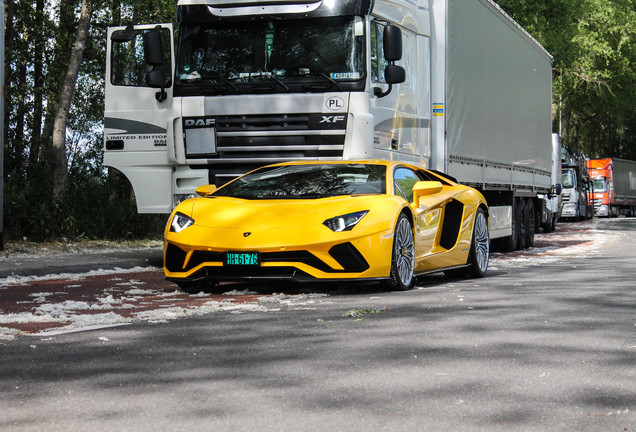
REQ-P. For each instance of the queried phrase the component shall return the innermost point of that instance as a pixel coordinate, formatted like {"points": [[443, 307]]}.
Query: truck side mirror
{"points": [[156, 78], [392, 42], [555, 191], [153, 54], [153, 48], [393, 74], [126, 35]]}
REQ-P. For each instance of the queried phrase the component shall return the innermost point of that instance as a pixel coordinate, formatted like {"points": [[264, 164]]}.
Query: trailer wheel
{"points": [[523, 224], [510, 243], [530, 218]]}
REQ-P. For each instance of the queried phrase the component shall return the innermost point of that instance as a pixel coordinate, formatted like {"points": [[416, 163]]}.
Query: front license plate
{"points": [[242, 259]]}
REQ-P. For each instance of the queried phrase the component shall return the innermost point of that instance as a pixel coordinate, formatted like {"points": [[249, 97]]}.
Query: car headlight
{"points": [[345, 222], [180, 222]]}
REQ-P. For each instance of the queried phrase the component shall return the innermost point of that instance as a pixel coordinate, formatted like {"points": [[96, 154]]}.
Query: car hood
{"points": [[224, 212]]}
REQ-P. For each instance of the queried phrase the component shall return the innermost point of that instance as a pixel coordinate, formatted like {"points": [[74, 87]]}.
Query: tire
{"points": [[479, 246], [549, 226], [523, 224], [509, 244], [553, 226], [531, 219], [403, 256]]}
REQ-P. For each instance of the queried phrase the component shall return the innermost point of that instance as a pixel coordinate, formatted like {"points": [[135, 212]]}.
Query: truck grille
{"points": [[246, 142]]}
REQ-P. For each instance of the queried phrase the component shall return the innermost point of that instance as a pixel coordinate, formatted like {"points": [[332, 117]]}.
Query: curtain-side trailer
{"points": [[454, 85]]}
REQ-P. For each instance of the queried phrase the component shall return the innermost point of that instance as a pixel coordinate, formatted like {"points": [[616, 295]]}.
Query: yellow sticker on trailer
{"points": [[438, 110]]}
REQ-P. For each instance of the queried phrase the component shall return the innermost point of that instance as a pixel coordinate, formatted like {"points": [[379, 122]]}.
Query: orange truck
{"points": [[614, 186]]}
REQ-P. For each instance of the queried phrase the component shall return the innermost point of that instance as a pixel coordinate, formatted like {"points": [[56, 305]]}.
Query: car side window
{"points": [[404, 179]]}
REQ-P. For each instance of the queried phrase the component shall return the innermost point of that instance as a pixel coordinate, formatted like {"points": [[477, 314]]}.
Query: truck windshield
{"points": [[325, 54], [599, 184], [567, 179]]}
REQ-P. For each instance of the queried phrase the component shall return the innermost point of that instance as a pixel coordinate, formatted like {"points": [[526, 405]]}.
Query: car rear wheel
{"points": [[403, 256], [480, 245]]}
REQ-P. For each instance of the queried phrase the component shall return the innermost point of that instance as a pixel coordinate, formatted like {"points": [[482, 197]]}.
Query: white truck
{"points": [[454, 85], [576, 202]]}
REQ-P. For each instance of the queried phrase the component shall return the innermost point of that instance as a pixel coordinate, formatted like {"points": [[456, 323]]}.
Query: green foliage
{"points": [[594, 47], [92, 208], [96, 205]]}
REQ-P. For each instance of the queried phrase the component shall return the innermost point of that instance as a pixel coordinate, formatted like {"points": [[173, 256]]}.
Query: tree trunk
{"points": [[38, 83], [60, 170], [21, 85], [9, 35]]}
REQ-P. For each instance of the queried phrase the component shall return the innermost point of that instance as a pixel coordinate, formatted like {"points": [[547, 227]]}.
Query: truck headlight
{"points": [[178, 199]]}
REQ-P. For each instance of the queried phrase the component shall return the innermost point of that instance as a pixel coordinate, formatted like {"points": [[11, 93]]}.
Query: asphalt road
{"points": [[538, 345]]}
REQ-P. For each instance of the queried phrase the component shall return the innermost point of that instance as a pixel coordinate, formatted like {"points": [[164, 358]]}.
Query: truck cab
{"points": [[577, 187]]}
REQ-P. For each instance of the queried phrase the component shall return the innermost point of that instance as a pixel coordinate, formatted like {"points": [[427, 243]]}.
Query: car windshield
{"points": [[599, 185], [322, 54], [307, 181]]}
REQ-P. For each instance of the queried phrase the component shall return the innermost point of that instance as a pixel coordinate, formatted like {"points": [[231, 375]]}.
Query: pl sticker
{"points": [[335, 103]]}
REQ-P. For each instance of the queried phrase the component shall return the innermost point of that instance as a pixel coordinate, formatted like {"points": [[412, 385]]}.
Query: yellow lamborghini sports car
{"points": [[370, 220]]}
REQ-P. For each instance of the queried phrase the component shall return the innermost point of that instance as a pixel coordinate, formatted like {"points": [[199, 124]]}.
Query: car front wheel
{"points": [[403, 256]]}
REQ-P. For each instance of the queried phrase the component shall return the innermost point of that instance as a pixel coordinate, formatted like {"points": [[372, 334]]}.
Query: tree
{"points": [[60, 169], [594, 47]]}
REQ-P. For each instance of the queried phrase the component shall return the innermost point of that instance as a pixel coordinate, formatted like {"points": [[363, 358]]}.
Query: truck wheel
{"points": [[554, 221], [509, 244], [531, 218], [549, 226], [523, 224]]}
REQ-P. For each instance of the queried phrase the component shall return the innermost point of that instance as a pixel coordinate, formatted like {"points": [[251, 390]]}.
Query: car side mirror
{"points": [[205, 190], [425, 188]]}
